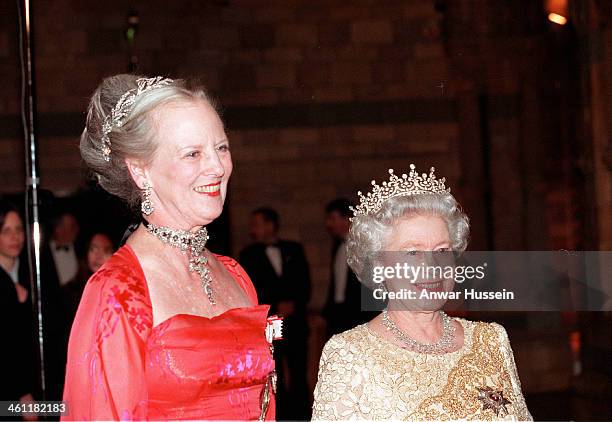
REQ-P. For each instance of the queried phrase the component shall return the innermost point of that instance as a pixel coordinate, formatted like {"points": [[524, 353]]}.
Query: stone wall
{"points": [[319, 97]]}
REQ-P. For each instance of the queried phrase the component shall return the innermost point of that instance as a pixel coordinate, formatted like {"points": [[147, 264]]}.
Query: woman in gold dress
{"points": [[413, 362]]}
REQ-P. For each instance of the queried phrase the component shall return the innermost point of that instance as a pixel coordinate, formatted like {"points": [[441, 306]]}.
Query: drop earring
{"points": [[146, 206]]}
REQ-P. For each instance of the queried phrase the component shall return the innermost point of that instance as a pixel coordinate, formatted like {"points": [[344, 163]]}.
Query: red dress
{"points": [[120, 367]]}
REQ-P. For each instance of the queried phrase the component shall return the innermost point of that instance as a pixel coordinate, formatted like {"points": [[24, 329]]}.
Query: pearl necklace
{"points": [[443, 345], [193, 244]]}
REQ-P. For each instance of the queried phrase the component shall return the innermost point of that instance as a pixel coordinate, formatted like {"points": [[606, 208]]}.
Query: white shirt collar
{"points": [[14, 273]]}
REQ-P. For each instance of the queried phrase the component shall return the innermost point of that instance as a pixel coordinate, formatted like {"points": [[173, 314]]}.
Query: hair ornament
{"points": [[406, 185], [124, 107]]}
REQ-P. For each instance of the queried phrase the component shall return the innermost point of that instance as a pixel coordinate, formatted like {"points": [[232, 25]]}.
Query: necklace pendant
{"points": [[209, 292], [192, 243]]}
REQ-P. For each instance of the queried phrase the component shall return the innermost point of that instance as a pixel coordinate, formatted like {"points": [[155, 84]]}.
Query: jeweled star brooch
{"points": [[493, 399]]}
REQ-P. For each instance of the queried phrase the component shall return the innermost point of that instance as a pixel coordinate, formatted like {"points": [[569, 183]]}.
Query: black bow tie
{"points": [[64, 248]]}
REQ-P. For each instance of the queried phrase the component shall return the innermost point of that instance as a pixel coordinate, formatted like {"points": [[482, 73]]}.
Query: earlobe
{"points": [[138, 172]]}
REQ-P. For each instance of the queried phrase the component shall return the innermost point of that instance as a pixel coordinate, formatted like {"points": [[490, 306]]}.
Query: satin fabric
{"points": [[120, 367]]}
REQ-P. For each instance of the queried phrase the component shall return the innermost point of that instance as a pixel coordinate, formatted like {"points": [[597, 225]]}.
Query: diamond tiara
{"points": [[407, 185], [124, 107]]}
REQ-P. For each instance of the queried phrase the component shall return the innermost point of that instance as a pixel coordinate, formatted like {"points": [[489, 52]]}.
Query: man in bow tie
{"points": [[281, 276], [59, 265], [61, 245], [343, 308]]}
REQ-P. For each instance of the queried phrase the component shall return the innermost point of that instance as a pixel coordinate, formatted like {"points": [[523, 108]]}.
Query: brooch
{"points": [[274, 331], [494, 400], [274, 328]]}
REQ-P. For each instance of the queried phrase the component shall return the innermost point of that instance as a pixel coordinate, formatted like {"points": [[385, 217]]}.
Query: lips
{"points": [[13, 250], [213, 189]]}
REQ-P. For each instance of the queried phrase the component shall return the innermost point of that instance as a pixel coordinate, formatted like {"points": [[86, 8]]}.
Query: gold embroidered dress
{"points": [[362, 376]]}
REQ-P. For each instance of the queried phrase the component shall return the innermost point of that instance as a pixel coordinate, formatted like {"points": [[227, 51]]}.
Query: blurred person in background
{"points": [[99, 249], [17, 354], [61, 261], [59, 265], [342, 309], [281, 276]]}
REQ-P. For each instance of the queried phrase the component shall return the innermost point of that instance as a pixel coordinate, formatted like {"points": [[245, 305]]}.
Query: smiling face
{"points": [[423, 241], [191, 167]]}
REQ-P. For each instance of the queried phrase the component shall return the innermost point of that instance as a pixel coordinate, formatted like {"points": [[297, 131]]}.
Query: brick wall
{"points": [[251, 54], [319, 98]]}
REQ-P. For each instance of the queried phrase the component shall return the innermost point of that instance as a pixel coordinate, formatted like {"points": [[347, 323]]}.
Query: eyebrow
{"points": [[188, 147], [418, 244], [192, 146]]}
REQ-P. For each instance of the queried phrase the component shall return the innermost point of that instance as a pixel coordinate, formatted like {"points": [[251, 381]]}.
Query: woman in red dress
{"points": [[165, 329]]}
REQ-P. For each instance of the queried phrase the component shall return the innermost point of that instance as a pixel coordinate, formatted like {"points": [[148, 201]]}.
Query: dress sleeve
{"points": [[105, 373], [339, 392], [519, 404]]}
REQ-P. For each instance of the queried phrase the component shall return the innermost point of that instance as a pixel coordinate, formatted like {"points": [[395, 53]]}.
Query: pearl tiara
{"points": [[407, 185], [124, 107]]}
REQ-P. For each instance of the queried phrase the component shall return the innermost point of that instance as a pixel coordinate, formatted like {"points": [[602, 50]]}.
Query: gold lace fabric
{"points": [[362, 376]]}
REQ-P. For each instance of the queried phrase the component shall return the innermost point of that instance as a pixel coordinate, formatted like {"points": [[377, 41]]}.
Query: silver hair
{"points": [[369, 233], [135, 139]]}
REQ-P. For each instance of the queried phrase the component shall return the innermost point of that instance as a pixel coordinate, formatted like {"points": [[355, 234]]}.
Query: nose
{"points": [[429, 259], [213, 166]]}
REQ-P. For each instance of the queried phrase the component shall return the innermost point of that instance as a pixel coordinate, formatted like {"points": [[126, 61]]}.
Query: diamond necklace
{"points": [[443, 345], [192, 244]]}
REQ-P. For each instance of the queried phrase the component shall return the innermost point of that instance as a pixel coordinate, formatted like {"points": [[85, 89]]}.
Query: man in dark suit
{"points": [[281, 276], [342, 310], [59, 265], [62, 259]]}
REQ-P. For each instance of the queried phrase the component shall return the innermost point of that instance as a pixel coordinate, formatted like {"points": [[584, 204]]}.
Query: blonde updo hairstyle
{"points": [[369, 233], [135, 139]]}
